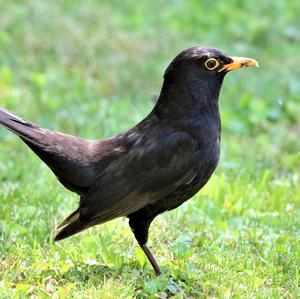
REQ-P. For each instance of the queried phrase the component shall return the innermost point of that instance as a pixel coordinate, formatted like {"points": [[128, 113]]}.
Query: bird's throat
{"points": [[189, 100]]}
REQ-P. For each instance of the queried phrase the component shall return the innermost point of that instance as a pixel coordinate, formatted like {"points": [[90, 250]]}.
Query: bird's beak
{"points": [[238, 63]]}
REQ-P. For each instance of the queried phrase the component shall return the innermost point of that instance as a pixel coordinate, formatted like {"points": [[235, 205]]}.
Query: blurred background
{"points": [[95, 68]]}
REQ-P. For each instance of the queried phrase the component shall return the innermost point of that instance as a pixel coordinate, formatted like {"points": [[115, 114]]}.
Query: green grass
{"points": [[94, 69]]}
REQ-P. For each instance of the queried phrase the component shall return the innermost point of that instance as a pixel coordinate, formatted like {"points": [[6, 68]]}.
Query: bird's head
{"points": [[194, 77], [205, 64]]}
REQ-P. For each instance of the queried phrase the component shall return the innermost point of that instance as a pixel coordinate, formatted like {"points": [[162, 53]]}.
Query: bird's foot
{"points": [[151, 259]]}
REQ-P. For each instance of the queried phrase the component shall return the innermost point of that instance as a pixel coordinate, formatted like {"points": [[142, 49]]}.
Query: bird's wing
{"points": [[150, 170]]}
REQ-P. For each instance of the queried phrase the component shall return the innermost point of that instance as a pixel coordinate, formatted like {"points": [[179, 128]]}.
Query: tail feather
{"points": [[67, 156], [26, 130]]}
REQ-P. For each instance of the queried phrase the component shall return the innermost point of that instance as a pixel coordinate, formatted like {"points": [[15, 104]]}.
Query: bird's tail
{"points": [[55, 149], [27, 131]]}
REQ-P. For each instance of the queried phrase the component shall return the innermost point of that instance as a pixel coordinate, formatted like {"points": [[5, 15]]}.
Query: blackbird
{"points": [[153, 167]]}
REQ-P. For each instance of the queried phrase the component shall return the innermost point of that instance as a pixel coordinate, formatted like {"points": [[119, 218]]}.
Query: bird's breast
{"points": [[206, 134]]}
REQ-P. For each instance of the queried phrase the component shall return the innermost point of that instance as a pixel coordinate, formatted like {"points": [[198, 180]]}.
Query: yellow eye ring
{"points": [[211, 64]]}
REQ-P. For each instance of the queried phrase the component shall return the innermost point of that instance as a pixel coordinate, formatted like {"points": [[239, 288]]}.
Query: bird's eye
{"points": [[211, 64]]}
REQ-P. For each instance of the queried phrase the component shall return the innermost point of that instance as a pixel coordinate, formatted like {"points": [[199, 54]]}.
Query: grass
{"points": [[94, 69]]}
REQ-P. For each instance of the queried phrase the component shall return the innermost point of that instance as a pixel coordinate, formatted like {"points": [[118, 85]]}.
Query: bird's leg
{"points": [[140, 226], [151, 259]]}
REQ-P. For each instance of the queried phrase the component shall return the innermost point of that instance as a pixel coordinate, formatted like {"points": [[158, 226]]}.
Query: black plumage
{"points": [[153, 167]]}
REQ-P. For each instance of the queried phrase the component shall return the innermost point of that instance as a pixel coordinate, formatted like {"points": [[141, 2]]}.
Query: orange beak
{"points": [[238, 63]]}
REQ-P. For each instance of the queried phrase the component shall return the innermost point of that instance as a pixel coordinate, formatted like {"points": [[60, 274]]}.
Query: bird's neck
{"points": [[189, 100]]}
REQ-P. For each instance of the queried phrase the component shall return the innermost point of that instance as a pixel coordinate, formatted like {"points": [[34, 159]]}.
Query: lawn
{"points": [[94, 69]]}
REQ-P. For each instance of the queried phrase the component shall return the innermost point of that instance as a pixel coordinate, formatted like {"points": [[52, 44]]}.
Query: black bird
{"points": [[151, 168]]}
